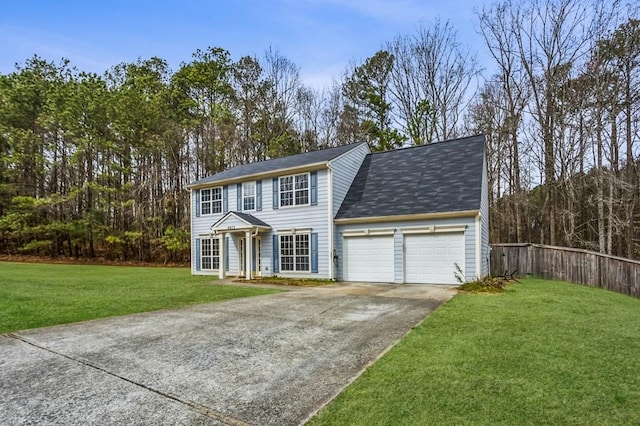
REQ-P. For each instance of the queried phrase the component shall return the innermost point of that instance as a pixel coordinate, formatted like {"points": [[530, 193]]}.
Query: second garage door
{"points": [[431, 258], [369, 259]]}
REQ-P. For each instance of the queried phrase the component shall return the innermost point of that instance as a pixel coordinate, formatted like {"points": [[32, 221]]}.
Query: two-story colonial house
{"points": [[406, 216]]}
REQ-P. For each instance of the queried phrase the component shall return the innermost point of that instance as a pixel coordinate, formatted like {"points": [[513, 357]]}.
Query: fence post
{"points": [[584, 267]]}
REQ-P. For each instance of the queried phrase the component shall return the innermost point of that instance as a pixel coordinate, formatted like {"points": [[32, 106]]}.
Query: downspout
{"points": [[258, 261], [192, 247], [478, 246], [330, 221]]}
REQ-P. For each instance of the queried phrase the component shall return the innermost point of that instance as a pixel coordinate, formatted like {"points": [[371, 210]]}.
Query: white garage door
{"points": [[430, 258], [369, 259]]}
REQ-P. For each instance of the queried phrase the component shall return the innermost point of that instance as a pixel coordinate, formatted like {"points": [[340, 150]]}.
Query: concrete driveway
{"points": [[265, 360]]}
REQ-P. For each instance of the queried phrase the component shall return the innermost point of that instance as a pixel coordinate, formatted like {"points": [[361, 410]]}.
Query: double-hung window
{"points": [[211, 201], [294, 190], [210, 253], [248, 196], [294, 253]]}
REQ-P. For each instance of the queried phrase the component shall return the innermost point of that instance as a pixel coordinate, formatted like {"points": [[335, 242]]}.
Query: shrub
{"points": [[485, 285]]}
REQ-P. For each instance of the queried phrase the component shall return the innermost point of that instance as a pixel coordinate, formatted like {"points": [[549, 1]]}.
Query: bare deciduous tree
{"points": [[431, 82]]}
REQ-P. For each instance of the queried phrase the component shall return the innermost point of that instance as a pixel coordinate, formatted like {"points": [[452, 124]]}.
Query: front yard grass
{"points": [[542, 352], [37, 295]]}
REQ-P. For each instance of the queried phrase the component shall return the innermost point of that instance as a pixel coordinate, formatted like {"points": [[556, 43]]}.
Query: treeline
{"points": [[562, 117], [97, 165]]}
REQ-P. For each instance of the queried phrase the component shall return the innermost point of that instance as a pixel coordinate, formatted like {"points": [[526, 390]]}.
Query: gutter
{"points": [[478, 246], [192, 246], [407, 217], [261, 175]]}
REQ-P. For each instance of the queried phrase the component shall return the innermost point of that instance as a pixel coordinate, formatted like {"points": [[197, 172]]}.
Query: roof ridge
{"points": [[304, 153], [319, 156], [403, 148]]}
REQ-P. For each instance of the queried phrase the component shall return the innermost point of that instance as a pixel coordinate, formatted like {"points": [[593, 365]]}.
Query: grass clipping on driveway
{"points": [[36, 295], [542, 352]]}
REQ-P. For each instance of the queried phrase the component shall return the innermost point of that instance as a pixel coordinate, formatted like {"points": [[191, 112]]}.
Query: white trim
{"points": [[294, 231], [239, 253], [418, 230], [263, 175], [192, 213], [240, 229], [478, 247], [215, 228], [432, 229], [211, 256], [294, 190], [368, 232], [330, 224], [248, 252], [254, 196], [212, 213], [221, 238], [407, 217], [293, 241], [275, 173], [348, 152]]}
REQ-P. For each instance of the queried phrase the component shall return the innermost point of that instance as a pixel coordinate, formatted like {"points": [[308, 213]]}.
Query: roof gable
{"points": [[440, 177], [276, 164], [238, 220]]}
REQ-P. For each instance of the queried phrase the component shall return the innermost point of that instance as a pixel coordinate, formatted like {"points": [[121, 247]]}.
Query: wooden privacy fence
{"points": [[561, 263]]}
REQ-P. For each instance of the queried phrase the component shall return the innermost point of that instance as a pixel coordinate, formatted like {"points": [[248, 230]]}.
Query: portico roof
{"points": [[237, 221]]}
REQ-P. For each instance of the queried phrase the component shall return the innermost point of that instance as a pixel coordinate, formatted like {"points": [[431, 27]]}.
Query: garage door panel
{"points": [[431, 258], [369, 259]]}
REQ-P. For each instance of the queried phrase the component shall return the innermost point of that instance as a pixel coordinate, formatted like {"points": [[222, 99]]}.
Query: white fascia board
{"points": [[263, 175]]}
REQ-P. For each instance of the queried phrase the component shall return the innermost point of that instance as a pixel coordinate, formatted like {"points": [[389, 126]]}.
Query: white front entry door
{"points": [[256, 256], [368, 259]]}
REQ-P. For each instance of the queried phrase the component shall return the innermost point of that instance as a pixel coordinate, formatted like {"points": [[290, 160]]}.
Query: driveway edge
{"points": [[372, 362]]}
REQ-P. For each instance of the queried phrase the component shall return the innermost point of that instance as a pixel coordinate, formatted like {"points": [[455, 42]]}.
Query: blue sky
{"points": [[321, 36]]}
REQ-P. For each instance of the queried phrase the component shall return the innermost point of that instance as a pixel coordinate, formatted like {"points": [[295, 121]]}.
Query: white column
{"points": [[222, 255], [239, 254], [248, 250]]}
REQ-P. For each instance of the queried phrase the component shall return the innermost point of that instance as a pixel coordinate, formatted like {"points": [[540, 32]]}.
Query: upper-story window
{"points": [[294, 190], [211, 201], [248, 196]]}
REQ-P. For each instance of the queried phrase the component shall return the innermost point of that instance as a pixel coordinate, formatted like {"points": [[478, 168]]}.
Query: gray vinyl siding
{"points": [[234, 246], [484, 222], [345, 169], [398, 256], [314, 217], [469, 239]]}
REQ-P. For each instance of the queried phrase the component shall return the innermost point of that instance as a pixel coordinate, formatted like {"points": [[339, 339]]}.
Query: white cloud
{"points": [[49, 46], [322, 77]]}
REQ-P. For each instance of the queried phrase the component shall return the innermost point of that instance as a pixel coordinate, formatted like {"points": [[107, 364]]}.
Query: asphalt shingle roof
{"points": [[250, 218], [436, 178], [297, 160]]}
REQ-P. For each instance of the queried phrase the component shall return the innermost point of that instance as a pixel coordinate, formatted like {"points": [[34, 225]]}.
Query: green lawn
{"points": [[36, 295], [543, 352]]}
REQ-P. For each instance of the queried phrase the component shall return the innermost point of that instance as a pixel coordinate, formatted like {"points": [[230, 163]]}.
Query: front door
{"points": [[255, 256]]}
